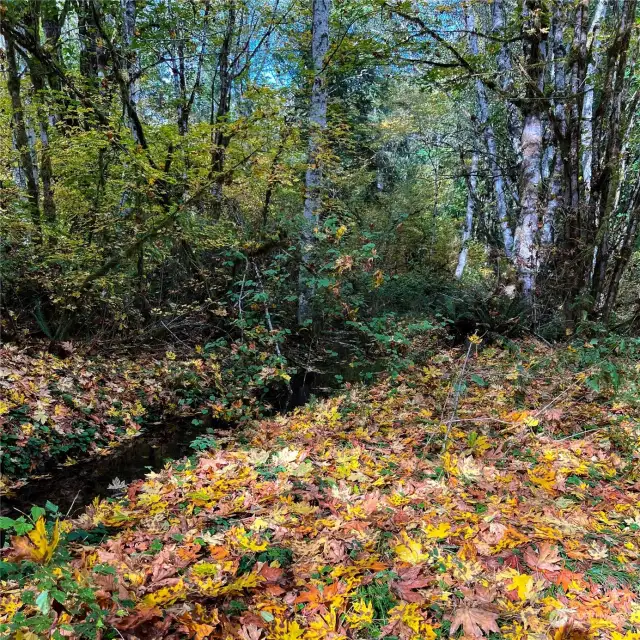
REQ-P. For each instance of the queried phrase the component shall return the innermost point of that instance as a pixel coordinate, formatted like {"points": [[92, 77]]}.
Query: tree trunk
{"points": [[586, 126], [221, 137], [531, 178], [88, 34], [46, 171], [317, 125], [130, 66], [492, 147], [472, 181], [505, 77], [557, 182], [609, 133], [20, 132]]}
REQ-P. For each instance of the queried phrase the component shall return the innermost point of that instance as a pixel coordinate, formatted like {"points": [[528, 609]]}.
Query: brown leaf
{"points": [[553, 415], [406, 589], [250, 632], [137, 618], [270, 574], [546, 558], [335, 551], [410, 580], [475, 621]]}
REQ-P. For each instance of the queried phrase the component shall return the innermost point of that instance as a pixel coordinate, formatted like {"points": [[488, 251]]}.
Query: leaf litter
{"points": [[346, 519]]}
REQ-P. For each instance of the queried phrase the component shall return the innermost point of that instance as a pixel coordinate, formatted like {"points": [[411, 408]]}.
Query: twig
{"points": [[564, 393], [580, 433], [72, 504], [456, 397]]}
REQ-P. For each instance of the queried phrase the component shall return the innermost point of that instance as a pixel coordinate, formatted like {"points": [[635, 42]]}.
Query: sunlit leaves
{"points": [[410, 550], [37, 545], [333, 522]]}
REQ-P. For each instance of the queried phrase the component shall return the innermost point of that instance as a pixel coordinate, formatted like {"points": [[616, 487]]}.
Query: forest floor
{"points": [[490, 494], [85, 405]]}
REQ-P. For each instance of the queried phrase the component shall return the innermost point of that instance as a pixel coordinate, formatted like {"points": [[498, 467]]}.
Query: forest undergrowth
{"points": [[484, 492]]}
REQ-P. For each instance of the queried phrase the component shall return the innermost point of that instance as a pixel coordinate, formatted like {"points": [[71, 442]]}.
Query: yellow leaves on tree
{"points": [[36, 545]]}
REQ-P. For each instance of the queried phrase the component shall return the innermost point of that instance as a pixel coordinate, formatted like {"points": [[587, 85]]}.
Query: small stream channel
{"points": [[74, 487]]}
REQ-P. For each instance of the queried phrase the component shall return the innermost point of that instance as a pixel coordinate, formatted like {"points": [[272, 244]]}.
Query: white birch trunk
{"points": [[586, 124], [492, 147], [526, 253], [317, 125], [472, 181], [532, 142], [505, 77]]}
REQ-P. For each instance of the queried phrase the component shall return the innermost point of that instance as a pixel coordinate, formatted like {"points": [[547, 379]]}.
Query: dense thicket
{"points": [[242, 169]]}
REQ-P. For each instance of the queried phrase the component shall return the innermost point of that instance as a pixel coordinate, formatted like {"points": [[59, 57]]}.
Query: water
{"points": [[74, 487]]}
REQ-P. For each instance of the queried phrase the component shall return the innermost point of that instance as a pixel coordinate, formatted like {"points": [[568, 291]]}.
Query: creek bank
{"points": [[72, 487]]}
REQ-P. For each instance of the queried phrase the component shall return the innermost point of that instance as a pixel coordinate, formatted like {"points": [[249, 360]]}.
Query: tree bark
{"points": [[586, 124], [21, 138], [557, 179], [472, 198], [221, 137], [531, 178], [505, 77], [46, 171], [88, 35], [492, 147], [130, 66], [317, 125]]}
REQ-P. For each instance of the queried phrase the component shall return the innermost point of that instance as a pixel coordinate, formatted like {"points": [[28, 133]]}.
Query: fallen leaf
{"points": [[475, 621], [545, 559]]}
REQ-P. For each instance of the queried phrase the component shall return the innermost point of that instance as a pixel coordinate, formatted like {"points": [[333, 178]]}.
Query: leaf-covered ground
{"points": [[347, 520], [82, 405]]}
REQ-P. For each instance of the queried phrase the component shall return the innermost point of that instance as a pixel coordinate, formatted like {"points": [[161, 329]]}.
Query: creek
{"points": [[72, 488]]}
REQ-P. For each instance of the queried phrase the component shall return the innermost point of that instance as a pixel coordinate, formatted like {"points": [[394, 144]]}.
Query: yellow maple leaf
{"points": [[285, 630], [440, 532], [246, 581], [166, 595], [244, 540], [411, 551], [361, 615], [523, 583], [325, 626], [36, 545], [543, 476]]}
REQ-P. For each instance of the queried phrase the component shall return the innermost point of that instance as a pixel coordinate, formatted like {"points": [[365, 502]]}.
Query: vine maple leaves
{"points": [[345, 520]]}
